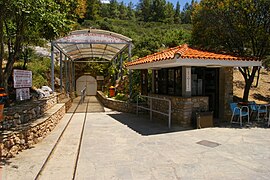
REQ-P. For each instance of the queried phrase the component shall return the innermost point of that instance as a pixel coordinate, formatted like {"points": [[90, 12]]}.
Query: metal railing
{"points": [[83, 94], [151, 110]]}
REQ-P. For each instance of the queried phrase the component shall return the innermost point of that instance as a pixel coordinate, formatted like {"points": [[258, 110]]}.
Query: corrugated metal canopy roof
{"points": [[92, 43]]}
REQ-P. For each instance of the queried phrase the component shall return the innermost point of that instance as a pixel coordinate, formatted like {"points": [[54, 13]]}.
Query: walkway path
{"points": [[123, 146]]}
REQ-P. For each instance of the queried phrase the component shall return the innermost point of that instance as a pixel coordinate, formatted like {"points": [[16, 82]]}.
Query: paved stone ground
{"points": [[124, 146]]}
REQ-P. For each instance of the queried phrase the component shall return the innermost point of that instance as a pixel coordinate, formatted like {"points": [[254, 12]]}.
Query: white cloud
{"points": [[105, 1]]}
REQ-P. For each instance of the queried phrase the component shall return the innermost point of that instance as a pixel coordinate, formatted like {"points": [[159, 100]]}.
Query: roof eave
{"points": [[196, 62]]}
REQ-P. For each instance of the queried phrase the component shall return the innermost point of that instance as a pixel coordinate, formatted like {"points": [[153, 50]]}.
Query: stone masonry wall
{"points": [[228, 93], [183, 109], [26, 112], [117, 105], [25, 136]]}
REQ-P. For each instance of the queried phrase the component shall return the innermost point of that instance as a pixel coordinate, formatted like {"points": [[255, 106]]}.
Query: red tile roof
{"points": [[184, 52]]}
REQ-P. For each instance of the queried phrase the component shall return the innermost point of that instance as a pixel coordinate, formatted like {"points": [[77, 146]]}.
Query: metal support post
{"points": [[52, 66], [73, 75], [61, 72], [121, 66], [66, 74], [130, 72], [68, 77]]}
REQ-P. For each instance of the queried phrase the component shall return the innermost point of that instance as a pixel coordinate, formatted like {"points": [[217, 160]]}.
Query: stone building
{"points": [[194, 80]]}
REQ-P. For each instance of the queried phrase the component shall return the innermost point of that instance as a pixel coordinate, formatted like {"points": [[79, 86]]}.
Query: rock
{"points": [[16, 116], [46, 88], [22, 141], [17, 140], [14, 150]]}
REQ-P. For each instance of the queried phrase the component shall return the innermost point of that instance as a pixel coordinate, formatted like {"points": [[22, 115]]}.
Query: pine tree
{"points": [[145, 8], [177, 14], [114, 12], [93, 9], [158, 10]]}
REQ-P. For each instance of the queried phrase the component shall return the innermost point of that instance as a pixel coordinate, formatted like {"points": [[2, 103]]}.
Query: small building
{"points": [[194, 80]]}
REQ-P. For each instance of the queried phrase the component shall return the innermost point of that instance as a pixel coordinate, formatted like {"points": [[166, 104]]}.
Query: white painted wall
{"points": [[90, 83]]}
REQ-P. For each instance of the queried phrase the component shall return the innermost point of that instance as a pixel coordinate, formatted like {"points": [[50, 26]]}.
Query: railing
{"points": [[83, 94], [151, 110]]}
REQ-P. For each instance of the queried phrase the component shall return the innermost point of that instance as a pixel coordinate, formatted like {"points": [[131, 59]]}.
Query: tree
{"points": [[177, 14], [18, 19], [169, 13], [130, 13], [93, 9], [186, 13], [241, 27], [158, 10], [114, 12], [80, 8], [123, 11], [145, 8]]}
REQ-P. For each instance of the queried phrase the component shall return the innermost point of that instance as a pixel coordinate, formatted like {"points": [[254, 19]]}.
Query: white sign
{"points": [[188, 79], [22, 78], [22, 94], [100, 78], [91, 38]]}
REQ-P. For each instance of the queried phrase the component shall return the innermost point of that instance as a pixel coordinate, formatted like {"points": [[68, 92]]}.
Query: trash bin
{"points": [[204, 119], [3, 98], [112, 91]]}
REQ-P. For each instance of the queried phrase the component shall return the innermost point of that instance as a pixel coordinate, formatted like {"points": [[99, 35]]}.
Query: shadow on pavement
{"points": [[142, 125]]}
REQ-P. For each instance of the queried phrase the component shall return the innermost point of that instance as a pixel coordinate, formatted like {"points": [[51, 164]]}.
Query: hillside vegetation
{"points": [[260, 94]]}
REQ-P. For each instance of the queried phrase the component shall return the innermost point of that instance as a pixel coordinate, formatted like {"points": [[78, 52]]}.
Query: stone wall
{"points": [[117, 105], [27, 111], [228, 92], [25, 136], [183, 109]]}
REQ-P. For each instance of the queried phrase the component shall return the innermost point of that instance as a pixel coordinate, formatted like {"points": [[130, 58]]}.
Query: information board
{"points": [[22, 94], [22, 78]]}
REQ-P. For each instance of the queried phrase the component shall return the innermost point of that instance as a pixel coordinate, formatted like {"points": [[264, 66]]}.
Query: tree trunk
{"points": [[249, 78], [258, 77], [246, 90], [1, 44]]}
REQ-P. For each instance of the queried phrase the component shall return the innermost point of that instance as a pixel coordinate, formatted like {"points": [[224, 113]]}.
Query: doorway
{"points": [[212, 89], [89, 82]]}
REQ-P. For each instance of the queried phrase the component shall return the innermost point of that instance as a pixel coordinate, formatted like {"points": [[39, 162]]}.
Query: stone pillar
{"points": [[225, 93], [186, 81]]}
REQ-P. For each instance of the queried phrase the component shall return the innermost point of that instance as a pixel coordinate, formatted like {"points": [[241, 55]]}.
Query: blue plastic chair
{"points": [[239, 113], [258, 109]]}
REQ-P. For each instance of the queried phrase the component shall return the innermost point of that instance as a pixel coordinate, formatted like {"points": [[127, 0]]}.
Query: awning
{"points": [[88, 45], [92, 43], [187, 56]]}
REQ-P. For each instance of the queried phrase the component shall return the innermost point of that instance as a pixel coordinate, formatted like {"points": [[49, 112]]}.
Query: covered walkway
{"points": [[86, 46], [114, 145]]}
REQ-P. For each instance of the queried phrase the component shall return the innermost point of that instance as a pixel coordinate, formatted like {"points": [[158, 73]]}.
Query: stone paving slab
{"points": [[62, 162], [125, 146], [27, 164], [112, 150]]}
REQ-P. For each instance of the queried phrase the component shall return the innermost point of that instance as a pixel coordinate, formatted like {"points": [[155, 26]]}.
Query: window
{"points": [[162, 81], [178, 81], [171, 81], [168, 81]]}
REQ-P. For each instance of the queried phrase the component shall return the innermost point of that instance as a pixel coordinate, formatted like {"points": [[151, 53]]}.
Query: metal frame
{"points": [[75, 58], [151, 110]]}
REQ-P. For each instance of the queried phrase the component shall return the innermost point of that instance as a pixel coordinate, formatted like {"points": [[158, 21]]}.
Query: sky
{"points": [[135, 2]]}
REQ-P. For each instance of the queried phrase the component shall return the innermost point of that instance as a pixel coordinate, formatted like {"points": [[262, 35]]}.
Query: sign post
{"points": [[22, 82]]}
